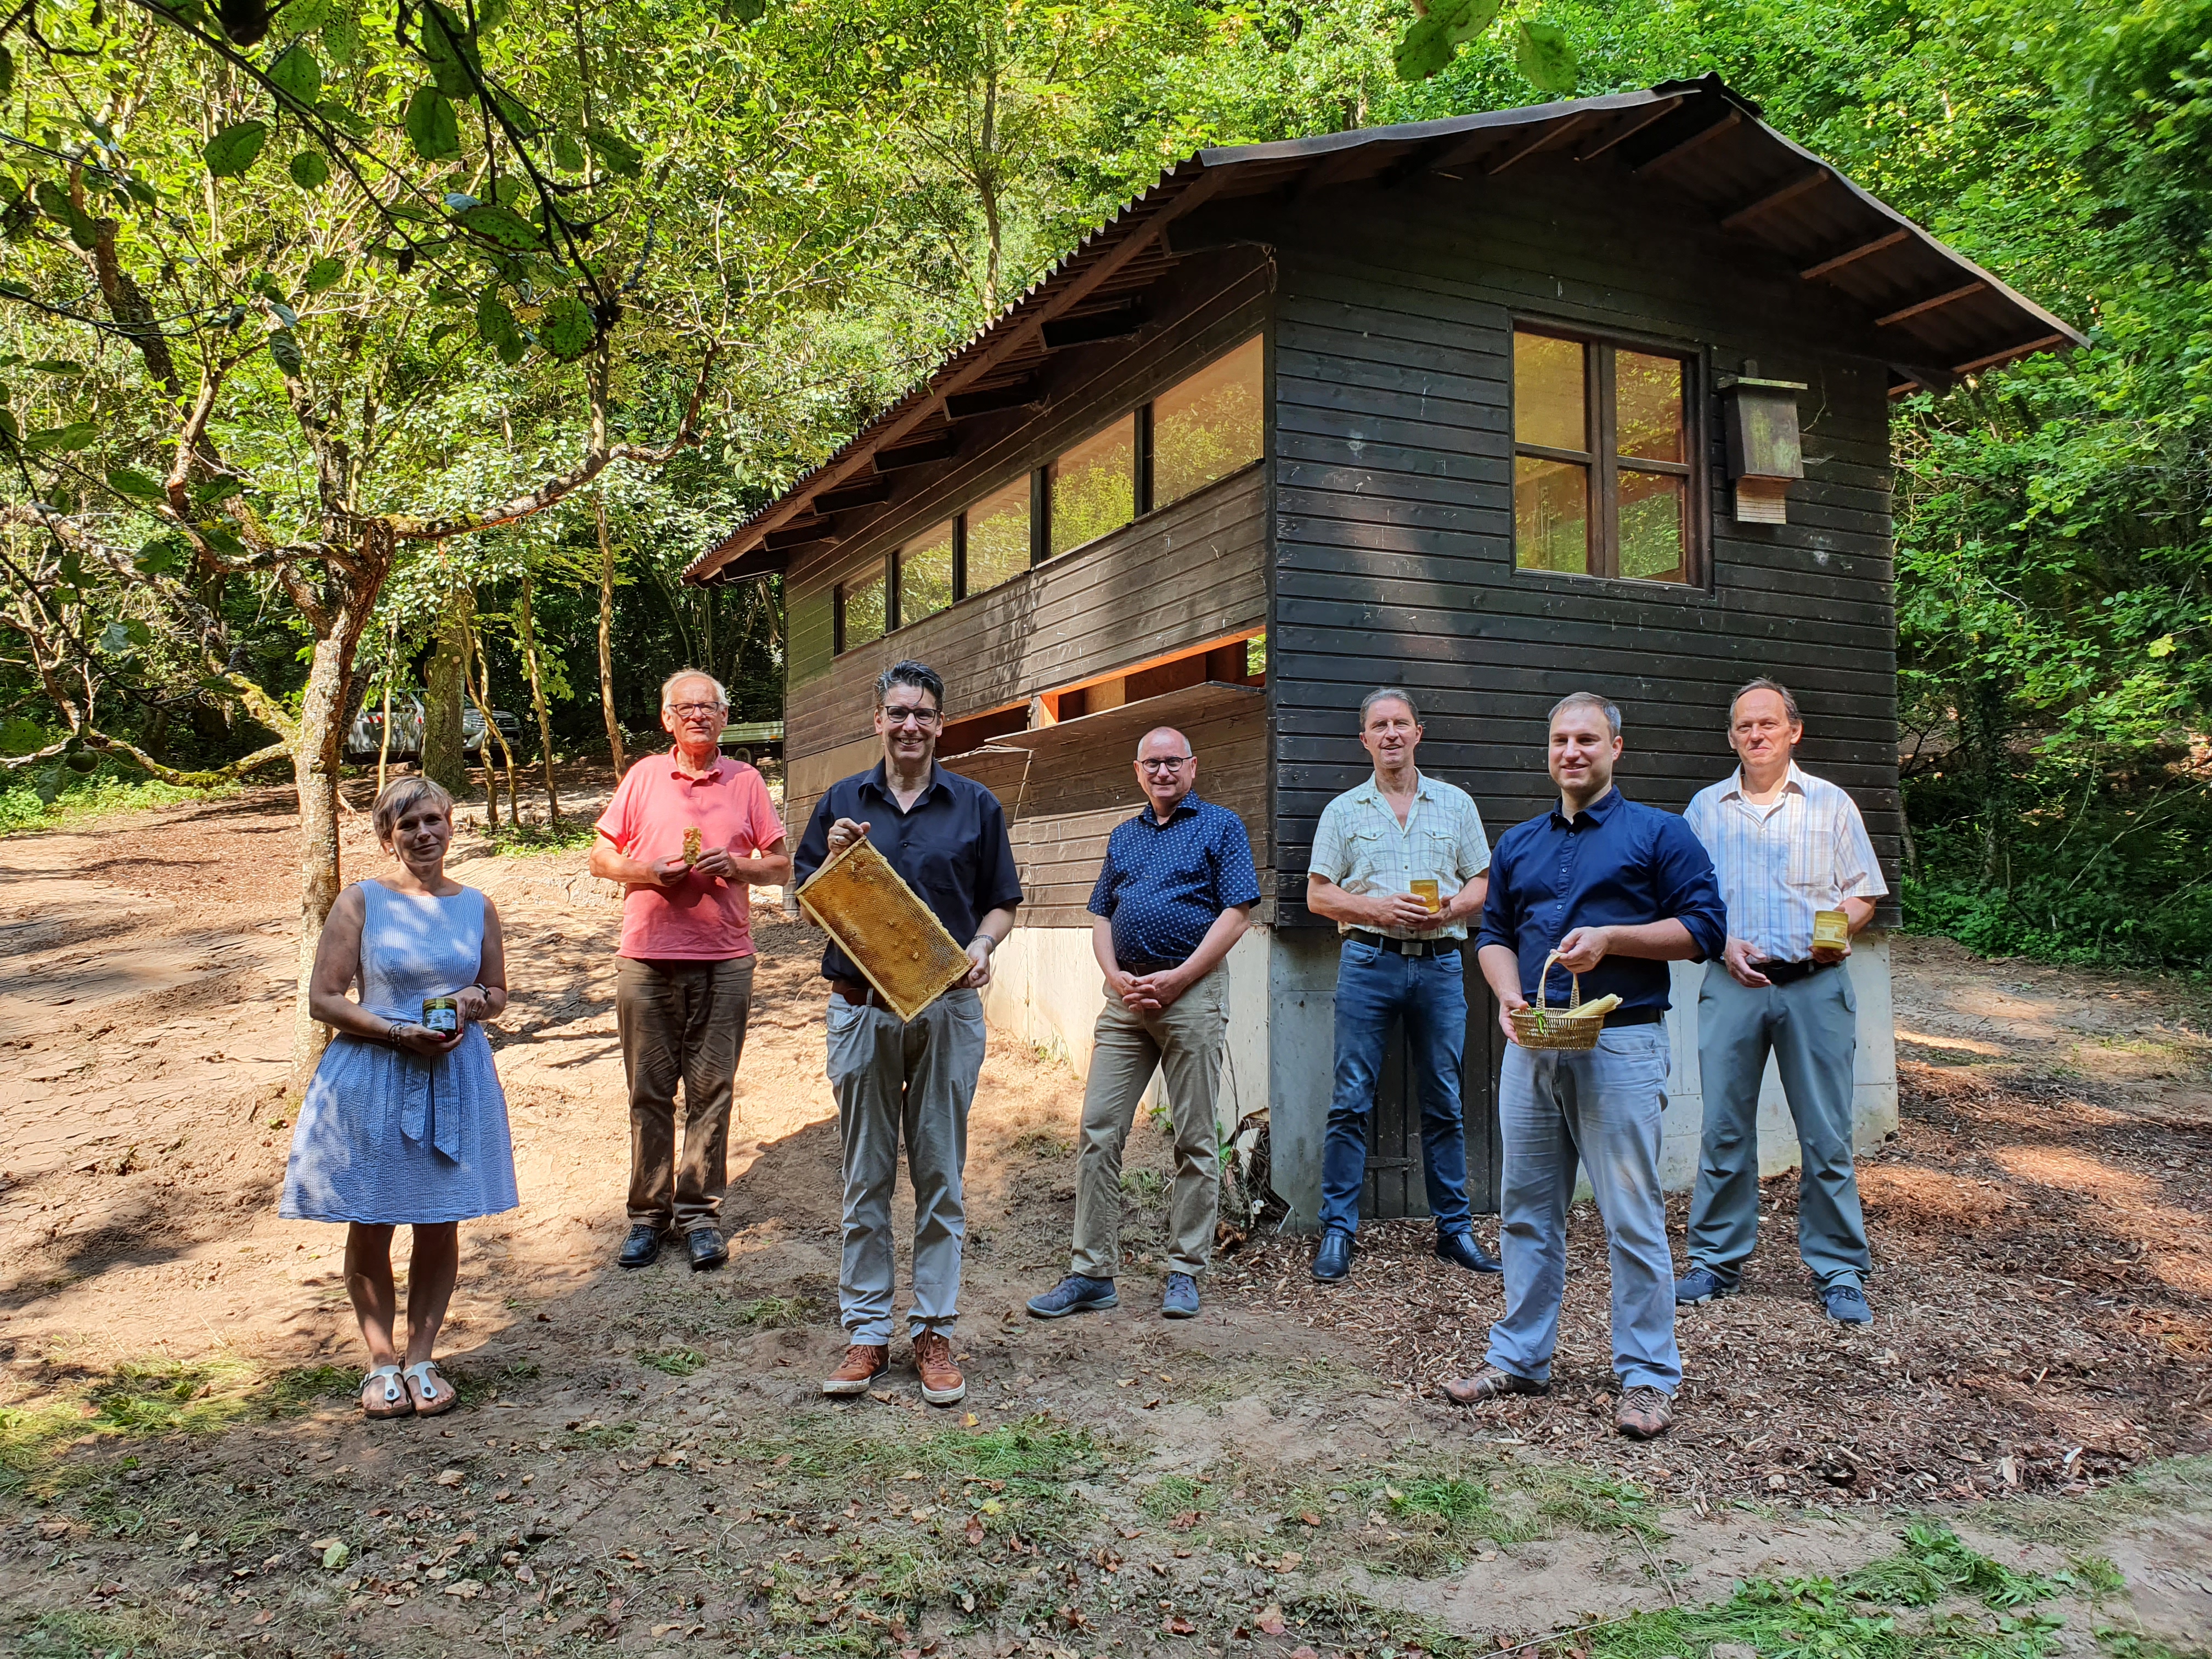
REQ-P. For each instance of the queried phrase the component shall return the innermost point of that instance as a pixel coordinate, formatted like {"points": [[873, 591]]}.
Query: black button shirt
{"points": [[951, 849], [1617, 863]]}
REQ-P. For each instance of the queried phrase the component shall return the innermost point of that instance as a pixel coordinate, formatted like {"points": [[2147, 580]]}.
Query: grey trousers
{"points": [[912, 1081], [1185, 1041], [1601, 1109], [681, 1022], [1812, 1029]]}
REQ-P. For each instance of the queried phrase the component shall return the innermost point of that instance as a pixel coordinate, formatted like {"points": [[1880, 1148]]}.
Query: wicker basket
{"points": [[1546, 1027]]}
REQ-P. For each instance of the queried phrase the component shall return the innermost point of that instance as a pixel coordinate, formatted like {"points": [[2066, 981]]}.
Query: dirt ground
{"points": [[642, 1462]]}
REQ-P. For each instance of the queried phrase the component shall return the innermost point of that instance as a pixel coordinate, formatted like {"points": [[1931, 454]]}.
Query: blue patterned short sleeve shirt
{"points": [[1164, 885]]}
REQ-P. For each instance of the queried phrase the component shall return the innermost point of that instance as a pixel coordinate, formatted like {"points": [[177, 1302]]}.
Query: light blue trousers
{"points": [[1601, 1109], [913, 1081], [1811, 1028]]}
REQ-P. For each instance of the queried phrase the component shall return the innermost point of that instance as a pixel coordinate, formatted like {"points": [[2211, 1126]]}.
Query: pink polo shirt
{"points": [[701, 918]]}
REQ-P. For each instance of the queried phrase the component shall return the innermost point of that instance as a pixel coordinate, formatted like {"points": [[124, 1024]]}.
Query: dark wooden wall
{"points": [[1394, 557]]}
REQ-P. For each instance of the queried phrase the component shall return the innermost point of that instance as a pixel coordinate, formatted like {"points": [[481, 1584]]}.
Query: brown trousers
{"points": [[681, 1022]]}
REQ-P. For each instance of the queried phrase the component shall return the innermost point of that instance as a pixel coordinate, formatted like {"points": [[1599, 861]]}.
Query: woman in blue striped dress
{"points": [[404, 1125]]}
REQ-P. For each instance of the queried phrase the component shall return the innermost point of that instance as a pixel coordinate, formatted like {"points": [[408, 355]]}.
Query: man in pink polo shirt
{"points": [[687, 960]]}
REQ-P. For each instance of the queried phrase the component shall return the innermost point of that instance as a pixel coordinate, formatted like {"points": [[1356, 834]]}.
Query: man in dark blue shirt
{"points": [[1177, 888], [946, 836], [1619, 890]]}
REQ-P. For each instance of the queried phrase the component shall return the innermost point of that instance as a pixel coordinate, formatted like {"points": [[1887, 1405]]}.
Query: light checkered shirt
{"points": [[1359, 846], [1779, 864]]}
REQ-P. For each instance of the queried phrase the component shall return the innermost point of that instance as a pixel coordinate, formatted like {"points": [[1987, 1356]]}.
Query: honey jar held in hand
{"points": [[1832, 931], [1429, 891]]}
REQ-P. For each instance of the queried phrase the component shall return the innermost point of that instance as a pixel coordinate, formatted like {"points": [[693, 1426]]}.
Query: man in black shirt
{"points": [[946, 836]]}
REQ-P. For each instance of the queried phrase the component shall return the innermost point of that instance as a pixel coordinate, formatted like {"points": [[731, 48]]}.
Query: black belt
{"points": [[1634, 1017], [1407, 947], [1789, 973], [1141, 966]]}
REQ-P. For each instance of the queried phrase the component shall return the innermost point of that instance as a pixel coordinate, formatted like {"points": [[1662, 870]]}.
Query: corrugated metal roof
{"points": [[1948, 317]]}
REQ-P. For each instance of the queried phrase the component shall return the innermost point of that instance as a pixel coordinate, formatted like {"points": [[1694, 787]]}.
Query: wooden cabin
{"points": [[1593, 394]]}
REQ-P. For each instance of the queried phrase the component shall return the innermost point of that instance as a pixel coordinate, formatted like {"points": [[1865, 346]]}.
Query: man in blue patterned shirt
{"points": [[1176, 892], [1785, 846]]}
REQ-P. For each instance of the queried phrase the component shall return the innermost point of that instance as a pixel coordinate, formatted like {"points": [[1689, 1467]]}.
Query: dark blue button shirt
{"points": [[951, 849], [1617, 863], [1164, 884]]}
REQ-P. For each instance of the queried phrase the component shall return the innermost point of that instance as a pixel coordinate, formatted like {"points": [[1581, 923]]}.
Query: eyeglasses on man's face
{"points": [[693, 711], [897, 716], [1166, 763]]}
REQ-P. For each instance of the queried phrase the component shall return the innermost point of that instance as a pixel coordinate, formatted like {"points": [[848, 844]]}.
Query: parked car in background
{"points": [[367, 735], [753, 740]]}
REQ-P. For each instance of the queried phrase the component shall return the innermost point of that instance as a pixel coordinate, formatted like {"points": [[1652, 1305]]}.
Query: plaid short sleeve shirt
{"points": [[1361, 847]]}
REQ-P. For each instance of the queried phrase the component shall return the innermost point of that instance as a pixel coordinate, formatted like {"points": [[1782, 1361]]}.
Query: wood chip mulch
{"points": [[2043, 1316]]}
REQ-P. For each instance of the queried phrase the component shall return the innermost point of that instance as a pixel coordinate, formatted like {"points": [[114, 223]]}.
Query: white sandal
{"points": [[395, 1394], [425, 1373]]}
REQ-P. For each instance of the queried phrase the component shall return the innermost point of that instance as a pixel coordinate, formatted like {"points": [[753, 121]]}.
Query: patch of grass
{"points": [[528, 839], [1177, 1494], [675, 1362], [771, 1313], [2131, 1644], [55, 796], [1145, 1186], [2096, 1575], [123, 1634], [1857, 1618], [172, 1396], [600, 1435], [2080, 1522], [310, 1385], [31, 1436]]}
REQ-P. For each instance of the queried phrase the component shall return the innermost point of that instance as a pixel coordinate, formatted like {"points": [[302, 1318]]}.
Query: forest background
{"points": [[369, 343]]}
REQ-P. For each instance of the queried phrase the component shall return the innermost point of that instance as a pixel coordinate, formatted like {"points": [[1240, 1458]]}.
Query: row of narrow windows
{"points": [[1201, 430]]}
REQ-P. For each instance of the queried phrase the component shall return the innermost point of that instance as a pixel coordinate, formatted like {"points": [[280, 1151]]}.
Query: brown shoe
{"points": [[1644, 1413], [941, 1382], [864, 1363], [1490, 1383]]}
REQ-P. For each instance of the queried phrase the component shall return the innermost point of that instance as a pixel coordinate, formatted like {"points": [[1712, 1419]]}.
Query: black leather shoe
{"points": [[1333, 1261], [642, 1249], [707, 1250], [1461, 1251]]}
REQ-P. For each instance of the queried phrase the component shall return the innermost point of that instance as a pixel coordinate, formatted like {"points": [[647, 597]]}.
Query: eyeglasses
{"points": [[909, 716], [694, 710], [1171, 763]]}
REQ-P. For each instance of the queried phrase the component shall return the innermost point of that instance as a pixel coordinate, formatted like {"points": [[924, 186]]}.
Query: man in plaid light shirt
{"points": [[1785, 845]]}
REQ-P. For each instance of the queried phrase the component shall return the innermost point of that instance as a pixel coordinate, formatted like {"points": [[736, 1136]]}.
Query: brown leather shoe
{"points": [[1490, 1383], [864, 1363], [1645, 1413], [941, 1382]]}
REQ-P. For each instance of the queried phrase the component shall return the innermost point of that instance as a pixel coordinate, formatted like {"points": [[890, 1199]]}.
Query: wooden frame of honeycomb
{"points": [[886, 931]]}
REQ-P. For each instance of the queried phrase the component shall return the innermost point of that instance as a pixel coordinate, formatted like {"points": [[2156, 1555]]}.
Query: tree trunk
{"points": [[384, 737], [482, 701], [315, 760], [444, 760], [537, 700], [606, 624]]}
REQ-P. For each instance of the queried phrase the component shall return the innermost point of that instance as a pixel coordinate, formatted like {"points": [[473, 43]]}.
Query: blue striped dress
{"points": [[384, 1137]]}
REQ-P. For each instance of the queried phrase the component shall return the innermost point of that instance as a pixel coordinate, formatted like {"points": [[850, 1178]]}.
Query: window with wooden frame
{"points": [[926, 566], [1604, 470], [857, 612]]}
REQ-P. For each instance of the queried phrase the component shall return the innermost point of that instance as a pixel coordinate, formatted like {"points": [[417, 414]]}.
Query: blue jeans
{"points": [[1429, 994], [1600, 1108]]}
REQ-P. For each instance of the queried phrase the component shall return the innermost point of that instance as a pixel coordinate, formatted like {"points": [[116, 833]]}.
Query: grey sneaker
{"points": [[1074, 1294], [1644, 1413], [1179, 1298], [1701, 1284], [1846, 1304]]}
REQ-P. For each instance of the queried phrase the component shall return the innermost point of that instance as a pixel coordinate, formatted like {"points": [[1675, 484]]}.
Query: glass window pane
{"points": [[1653, 527], [863, 609], [1208, 426], [1094, 486], [999, 536], [1548, 405], [1551, 515], [1648, 400], [925, 569]]}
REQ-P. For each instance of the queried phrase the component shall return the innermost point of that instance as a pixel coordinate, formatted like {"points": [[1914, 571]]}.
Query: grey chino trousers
{"points": [[1811, 1028], [910, 1081], [1186, 1042]]}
